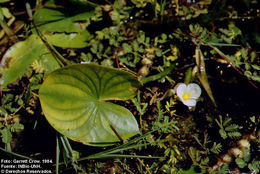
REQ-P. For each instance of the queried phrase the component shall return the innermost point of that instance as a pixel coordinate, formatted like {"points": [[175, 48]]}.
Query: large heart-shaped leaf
{"points": [[73, 101]]}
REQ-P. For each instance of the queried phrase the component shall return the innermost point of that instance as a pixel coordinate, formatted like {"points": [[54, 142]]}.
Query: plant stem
{"points": [[15, 154], [57, 154], [59, 58]]}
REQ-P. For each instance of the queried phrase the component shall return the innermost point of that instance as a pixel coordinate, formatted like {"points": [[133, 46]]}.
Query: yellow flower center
{"points": [[185, 96]]}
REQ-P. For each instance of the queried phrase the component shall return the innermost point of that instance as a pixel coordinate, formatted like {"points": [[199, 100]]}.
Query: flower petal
{"points": [[195, 90], [190, 102], [180, 89]]}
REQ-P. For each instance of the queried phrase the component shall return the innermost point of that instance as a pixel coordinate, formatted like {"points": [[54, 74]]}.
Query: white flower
{"points": [[188, 94]]}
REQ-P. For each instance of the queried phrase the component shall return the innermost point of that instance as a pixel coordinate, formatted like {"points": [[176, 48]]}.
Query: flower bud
{"points": [[226, 158], [146, 61], [237, 152], [144, 71], [244, 143]]}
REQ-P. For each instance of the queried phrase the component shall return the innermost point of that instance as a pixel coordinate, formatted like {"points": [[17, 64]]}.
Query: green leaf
{"points": [[65, 26], [241, 163], [216, 148], [256, 67], [62, 20], [82, 2], [3, 1], [254, 165], [17, 127], [71, 40], [127, 48], [232, 127], [192, 170], [45, 64], [256, 78], [202, 75], [223, 169], [3, 112], [227, 122], [17, 59], [6, 135], [73, 101], [234, 135], [159, 75], [223, 133]]}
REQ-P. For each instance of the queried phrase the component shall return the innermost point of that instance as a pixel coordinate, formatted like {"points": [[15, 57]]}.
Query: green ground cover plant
{"points": [[131, 86]]}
